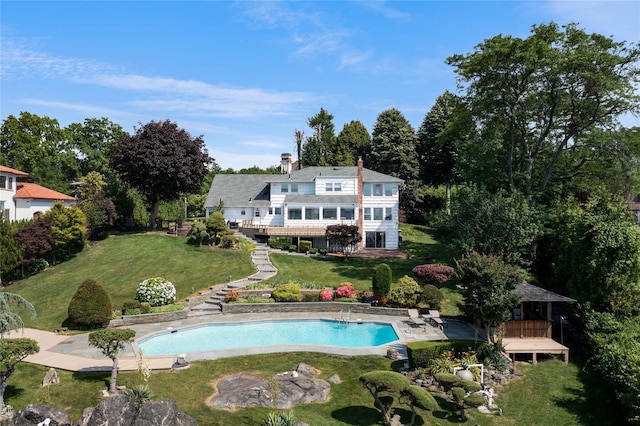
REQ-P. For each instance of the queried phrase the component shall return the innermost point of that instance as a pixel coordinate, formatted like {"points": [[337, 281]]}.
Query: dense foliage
{"points": [[90, 305], [381, 282], [11, 305], [12, 351], [156, 291], [111, 341], [434, 274], [344, 237]]}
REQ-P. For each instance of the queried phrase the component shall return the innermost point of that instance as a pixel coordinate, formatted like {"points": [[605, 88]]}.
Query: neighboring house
{"points": [[301, 203], [22, 200]]}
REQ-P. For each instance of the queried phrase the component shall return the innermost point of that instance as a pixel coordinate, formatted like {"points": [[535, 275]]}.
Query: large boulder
{"points": [[121, 410], [33, 415]]}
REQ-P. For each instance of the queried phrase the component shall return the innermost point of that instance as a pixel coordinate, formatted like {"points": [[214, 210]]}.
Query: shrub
{"points": [[129, 306], [167, 308], [281, 243], [157, 291], [36, 265], [471, 386], [475, 400], [311, 297], [289, 292], [434, 274], [259, 300], [421, 353], [145, 307], [432, 296], [229, 241], [231, 296], [448, 380], [313, 250], [305, 246], [406, 292], [292, 248], [443, 364], [326, 295], [322, 251], [90, 305], [346, 290], [381, 282]]}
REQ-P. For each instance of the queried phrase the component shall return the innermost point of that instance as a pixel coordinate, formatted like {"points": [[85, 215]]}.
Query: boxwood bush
{"points": [[90, 305], [288, 292], [421, 353]]}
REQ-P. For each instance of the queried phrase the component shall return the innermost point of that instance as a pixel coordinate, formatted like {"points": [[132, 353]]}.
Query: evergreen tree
{"points": [[393, 146]]}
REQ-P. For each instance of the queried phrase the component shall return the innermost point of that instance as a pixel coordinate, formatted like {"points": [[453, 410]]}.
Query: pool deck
{"points": [[73, 353]]}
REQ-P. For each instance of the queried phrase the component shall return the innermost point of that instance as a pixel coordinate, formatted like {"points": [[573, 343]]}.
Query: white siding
{"points": [[26, 208]]}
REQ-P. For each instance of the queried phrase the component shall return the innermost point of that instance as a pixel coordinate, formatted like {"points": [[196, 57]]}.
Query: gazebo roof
{"points": [[531, 293]]}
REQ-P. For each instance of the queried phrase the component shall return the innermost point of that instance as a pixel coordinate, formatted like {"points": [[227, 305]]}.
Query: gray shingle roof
{"points": [[239, 190], [531, 293], [309, 174]]}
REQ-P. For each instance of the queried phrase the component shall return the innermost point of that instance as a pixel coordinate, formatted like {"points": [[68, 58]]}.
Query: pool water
{"points": [[267, 333]]}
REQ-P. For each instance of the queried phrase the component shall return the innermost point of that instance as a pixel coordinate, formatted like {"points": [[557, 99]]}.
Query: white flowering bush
{"points": [[156, 291]]}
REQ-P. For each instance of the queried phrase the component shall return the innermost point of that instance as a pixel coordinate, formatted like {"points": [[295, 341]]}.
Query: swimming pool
{"points": [[282, 333]]}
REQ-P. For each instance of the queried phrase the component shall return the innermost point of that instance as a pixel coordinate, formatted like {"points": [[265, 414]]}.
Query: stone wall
{"points": [[364, 308], [125, 320]]}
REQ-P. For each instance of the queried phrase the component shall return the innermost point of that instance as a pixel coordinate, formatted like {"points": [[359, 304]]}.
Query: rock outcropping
{"points": [[285, 390], [118, 410]]}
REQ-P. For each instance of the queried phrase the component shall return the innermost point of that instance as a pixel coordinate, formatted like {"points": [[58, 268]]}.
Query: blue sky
{"points": [[244, 74]]}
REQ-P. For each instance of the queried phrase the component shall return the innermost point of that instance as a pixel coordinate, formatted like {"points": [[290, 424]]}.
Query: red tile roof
{"points": [[6, 169], [32, 190]]}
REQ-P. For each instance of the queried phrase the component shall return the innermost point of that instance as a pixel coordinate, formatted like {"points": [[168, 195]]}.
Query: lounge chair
{"points": [[434, 316], [414, 317]]}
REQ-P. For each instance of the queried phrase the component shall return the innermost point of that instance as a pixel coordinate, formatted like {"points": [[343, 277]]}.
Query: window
{"points": [[328, 187], [347, 213], [294, 187], [284, 187], [388, 190], [257, 213], [312, 213], [375, 240], [329, 213], [388, 213], [295, 213], [367, 213], [10, 182], [3, 182], [377, 190], [270, 210], [243, 212], [337, 187], [367, 190], [377, 213], [278, 210]]}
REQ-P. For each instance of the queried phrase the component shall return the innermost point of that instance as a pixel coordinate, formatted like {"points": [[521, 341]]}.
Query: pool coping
{"points": [[263, 349]]}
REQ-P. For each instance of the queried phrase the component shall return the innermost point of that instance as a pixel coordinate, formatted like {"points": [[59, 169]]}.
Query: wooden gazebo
{"points": [[529, 330]]}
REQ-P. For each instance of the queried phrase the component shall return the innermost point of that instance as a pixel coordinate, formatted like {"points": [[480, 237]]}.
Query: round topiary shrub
{"points": [[432, 296], [90, 305], [326, 295], [288, 292], [156, 291], [475, 400]]}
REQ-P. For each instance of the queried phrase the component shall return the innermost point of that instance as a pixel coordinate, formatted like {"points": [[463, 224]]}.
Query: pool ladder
{"points": [[344, 319]]}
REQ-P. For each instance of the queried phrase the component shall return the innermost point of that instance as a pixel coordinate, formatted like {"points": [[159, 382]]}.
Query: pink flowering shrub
{"points": [[435, 274], [326, 295], [346, 290]]}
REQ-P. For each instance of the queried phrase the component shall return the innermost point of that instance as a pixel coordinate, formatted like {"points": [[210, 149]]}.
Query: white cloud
{"points": [[383, 8]]}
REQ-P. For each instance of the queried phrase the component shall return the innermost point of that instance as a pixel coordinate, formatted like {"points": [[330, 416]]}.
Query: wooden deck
{"points": [[534, 346]]}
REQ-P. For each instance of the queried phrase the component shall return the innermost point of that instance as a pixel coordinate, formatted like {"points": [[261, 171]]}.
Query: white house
{"points": [[22, 200], [301, 203]]}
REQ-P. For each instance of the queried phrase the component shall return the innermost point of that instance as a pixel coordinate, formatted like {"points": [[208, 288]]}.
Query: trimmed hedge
{"points": [[305, 246], [90, 305], [289, 292], [420, 353], [281, 243]]}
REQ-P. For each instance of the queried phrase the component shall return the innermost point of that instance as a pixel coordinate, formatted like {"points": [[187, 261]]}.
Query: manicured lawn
{"points": [[120, 263], [549, 393]]}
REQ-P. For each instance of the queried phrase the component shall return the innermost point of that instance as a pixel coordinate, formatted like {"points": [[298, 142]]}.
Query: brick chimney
{"points": [[360, 203]]}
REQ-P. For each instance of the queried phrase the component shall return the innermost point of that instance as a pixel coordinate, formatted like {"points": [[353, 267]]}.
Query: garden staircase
{"points": [[265, 270]]}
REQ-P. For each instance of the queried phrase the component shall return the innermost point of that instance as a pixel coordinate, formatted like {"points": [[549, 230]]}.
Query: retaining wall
{"points": [[364, 308], [149, 318]]}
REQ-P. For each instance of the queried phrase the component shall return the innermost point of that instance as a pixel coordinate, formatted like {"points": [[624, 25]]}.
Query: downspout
{"points": [[360, 204]]}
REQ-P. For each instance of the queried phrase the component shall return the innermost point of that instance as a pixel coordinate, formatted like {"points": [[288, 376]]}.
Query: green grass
{"points": [[549, 393], [120, 263]]}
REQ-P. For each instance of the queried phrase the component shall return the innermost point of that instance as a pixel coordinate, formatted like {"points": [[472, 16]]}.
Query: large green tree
{"points": [[162, 161], [12, 351], [354, 141], [93, 140], [111, 341], [487, 285], [545, 91], [393, 146], [445, 129], [39, 146], [10, 254], [68, 229], [320, 149]]}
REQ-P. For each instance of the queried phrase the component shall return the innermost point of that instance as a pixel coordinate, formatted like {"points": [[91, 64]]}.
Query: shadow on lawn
{"points": [[361, 416], [596, 405]]}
